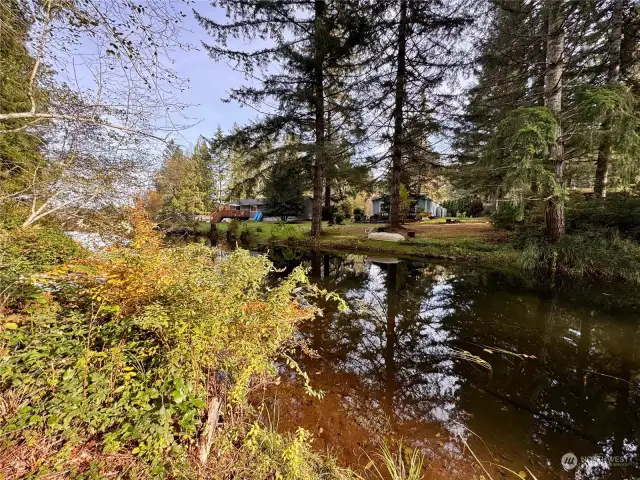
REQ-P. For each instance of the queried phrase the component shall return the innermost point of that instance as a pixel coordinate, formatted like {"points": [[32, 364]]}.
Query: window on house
{"points": [[253, 208]]}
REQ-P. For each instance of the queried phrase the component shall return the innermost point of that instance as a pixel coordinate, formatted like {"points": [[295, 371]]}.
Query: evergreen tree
{"points": [[184, 183], [412, 51], [509, 72], [220, 168], [309, 41], [522, 125], [284, 191], [614, 102], [553, 83]]}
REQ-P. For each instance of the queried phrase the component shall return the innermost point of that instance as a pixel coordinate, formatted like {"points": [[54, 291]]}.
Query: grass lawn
{"points": [[473, 239]]}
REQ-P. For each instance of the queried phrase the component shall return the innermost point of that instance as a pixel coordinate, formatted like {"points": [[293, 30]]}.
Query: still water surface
{"points": [[561, 372]]}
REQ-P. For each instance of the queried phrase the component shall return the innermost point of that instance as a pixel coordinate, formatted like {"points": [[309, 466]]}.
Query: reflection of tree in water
{"points": [[391, 354], [389, 340]]}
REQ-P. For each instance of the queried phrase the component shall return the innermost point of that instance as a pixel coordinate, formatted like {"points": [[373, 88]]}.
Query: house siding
{"points": [[429, 207], [375, 206]]}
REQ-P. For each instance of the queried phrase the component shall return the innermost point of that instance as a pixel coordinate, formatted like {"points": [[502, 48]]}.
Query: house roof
{"points": [[417, 196], [247, 202]]}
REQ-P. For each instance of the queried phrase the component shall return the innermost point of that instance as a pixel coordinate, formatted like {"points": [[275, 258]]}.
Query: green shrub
{"points": [[457, 206], [506, 217], [476, 208], [345, 209], [616, 212], [130, 346], [233, 230], [584, 256], [358, 214], [25, 252], [12, 214]]}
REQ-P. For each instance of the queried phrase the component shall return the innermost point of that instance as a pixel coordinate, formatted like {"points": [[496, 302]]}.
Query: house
{"points": [[245, 209], [420, 203], [248, 209], [252, 205]]}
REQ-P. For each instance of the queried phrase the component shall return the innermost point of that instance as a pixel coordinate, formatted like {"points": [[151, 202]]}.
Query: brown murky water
{"points": [[563, 376]]}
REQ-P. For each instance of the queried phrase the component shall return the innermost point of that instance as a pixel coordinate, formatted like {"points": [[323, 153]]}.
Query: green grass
{"points": [[467, 249], [202, 227], [578, 256], [352, 237]]}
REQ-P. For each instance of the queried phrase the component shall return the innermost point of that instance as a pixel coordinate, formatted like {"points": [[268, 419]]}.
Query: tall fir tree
{"points": [[553, 85], [307, 43], [411, 53], [618, 18], [184, 183]]}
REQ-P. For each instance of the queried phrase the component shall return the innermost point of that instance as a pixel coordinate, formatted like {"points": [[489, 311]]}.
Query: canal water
{"points": [[475, 368]]}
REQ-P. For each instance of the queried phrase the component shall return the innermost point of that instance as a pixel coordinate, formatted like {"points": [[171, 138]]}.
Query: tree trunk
{"points": [[390, 344], [206, 439], [396, 155], [327, 184], [319, 166], [540, 61], [602, 166], [613, 76], [327, 194], [554, 217], [213, 233]]}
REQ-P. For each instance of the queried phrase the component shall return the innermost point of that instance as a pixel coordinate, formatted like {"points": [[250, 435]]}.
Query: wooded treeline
{"points": [[520, 101], [359, 79], [555, 104], [552, 95]]}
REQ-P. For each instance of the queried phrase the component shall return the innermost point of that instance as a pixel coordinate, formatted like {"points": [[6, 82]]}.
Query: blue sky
{"points": [[209, 81]]}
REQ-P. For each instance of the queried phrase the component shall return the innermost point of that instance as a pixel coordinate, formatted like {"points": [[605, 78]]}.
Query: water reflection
{"points": [[563, 378]]}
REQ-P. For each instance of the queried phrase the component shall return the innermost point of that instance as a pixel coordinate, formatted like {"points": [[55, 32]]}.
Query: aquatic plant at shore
{"points": [[584, 256]]}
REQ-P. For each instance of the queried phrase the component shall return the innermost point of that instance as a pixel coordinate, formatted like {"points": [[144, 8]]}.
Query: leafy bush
{"points": [[24, 252], [132, 346], [476, 208], [12, 214], [458, 205], [616, 212], [506, 217], [358, 214], [267, 454], [464, 207], [345, 209], [233, 230], [246, 235], [339, 219]]}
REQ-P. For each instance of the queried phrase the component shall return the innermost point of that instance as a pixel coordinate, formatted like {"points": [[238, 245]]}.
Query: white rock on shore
{"points": [[386, 237]]}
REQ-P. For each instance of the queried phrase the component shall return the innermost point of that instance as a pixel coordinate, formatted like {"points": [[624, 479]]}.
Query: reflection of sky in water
{"points": [[530, 410], [422, 393]]}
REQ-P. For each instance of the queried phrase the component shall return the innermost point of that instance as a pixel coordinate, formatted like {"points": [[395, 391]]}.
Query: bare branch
{"points": [[72, 118]]}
